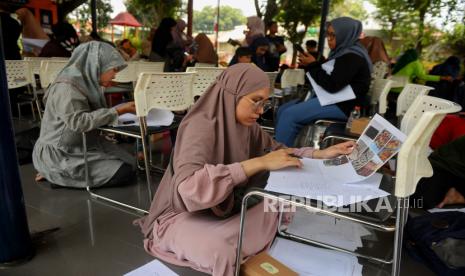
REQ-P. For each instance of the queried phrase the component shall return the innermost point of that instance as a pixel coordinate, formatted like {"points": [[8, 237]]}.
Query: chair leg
{"points": [[401, 219], [32, 110], [19, 111]]}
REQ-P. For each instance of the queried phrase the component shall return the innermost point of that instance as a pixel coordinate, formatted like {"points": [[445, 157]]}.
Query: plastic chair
{"points": [[204, 77], [128, 74], [168, 91], [272, 76], [203, 64], [49, 70], [408, 95], [19, 74], [420, 122], [399, 81], [379, 91], [292, 78], [148, 67]]}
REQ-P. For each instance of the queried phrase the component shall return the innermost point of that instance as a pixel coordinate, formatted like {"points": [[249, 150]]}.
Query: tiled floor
{"points": [[96, 238]]}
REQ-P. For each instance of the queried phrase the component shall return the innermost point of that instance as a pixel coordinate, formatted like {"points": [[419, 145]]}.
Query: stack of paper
{"points": [[308, 260], [326, 229], [156, 117]]}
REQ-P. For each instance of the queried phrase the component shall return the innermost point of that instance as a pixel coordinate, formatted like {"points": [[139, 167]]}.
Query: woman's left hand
{"points": [[306, 59], [335, 151]]}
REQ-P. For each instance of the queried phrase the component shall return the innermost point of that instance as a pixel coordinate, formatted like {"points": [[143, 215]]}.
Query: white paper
{"points": [[326, 98], [315, 182], [308, 260], [154, 268], [438, 210], [327, 229], [155, 117], [33, 42]]}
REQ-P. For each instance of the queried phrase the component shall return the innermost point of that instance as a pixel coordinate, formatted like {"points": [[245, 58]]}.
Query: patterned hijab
{"points": [[347, 31], [87, 63]]}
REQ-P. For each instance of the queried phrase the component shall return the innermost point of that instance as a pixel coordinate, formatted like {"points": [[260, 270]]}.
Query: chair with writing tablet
{"points": [[166, 91], [419, 123]]}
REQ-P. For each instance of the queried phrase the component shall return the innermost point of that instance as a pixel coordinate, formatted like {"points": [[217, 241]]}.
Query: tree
{"points": [[455, 40], [407, 18], [230, 17], [150, 12], [104, 10], [351, 8]]}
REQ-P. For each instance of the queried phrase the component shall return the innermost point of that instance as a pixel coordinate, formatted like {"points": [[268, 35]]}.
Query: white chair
{"points": [[203, 64], [49, 70], [292, 78], [399, 81], [408, 95], [379, 91], [420, 122], [128, 74], [168, 91], [34, 63], [149, 67], [272, 77], [18, 73], [204, 77]]}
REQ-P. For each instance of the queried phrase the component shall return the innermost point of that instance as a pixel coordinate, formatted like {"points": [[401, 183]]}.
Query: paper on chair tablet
{"points": [[154, 268], [156, 117], [326, 98]]}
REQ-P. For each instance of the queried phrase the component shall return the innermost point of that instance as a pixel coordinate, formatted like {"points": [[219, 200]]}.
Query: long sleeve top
{"points": [[416, 70], [349, 69]]}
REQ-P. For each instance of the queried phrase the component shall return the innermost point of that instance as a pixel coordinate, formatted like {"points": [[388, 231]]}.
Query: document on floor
{"points": [[326, 98], [308, 260], [156, 117], [154, 268], [327, 229]]}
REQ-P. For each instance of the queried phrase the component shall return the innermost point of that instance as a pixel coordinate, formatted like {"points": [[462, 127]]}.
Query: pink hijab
{"points": [[210, 134]]}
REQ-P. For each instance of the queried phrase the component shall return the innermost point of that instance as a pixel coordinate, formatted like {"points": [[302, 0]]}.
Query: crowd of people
{"points": [[220, 150]]}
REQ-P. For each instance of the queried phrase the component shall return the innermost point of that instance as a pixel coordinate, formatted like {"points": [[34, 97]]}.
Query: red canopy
{"points": [[125, 19]]}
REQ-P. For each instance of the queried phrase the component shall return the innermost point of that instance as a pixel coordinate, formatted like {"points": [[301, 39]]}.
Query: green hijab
{"points": [[87, 63], [409, 56]]}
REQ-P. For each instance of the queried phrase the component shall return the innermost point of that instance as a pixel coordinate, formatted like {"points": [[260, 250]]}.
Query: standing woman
{"points": [[352, 66], [220, 151], [76, 104]]}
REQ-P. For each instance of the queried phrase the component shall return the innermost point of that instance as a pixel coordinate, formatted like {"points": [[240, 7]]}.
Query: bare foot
{"points": [[452, 197], [39, 177]]}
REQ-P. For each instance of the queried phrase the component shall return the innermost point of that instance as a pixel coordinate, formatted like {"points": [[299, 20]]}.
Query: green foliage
{"points": [[150, 12], [456, 40], [407, 19], [230, 17], [83, 13], [351, 8]]}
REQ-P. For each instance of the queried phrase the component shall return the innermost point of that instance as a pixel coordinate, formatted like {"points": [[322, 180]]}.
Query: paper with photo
{"points": [[154, 268], [308, 260], [326, 98], [379, 142], [155, 117]]}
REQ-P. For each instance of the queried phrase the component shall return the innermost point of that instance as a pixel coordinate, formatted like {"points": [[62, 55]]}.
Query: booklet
{"points": [[326, 98]]}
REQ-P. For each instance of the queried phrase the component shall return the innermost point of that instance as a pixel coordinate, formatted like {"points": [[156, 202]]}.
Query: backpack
{"points": [[438, 240]]}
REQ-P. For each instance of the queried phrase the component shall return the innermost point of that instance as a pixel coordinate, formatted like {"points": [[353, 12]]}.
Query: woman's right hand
{"points": [[272, 161], [129, 107], [447, 78]]}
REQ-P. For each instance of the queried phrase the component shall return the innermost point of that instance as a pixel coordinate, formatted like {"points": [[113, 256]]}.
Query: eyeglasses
{"points": [[256, 105], [330, 35]]}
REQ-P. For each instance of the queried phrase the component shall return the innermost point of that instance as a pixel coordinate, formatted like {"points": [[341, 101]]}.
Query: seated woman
{"points": [[447, 185], [220, 151], [352, 66], [378, 55], [410, 66], [76, 104], [64, 41]]}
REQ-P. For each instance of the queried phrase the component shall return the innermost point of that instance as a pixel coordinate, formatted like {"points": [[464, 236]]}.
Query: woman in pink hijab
{"points": [[220, 151]]}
